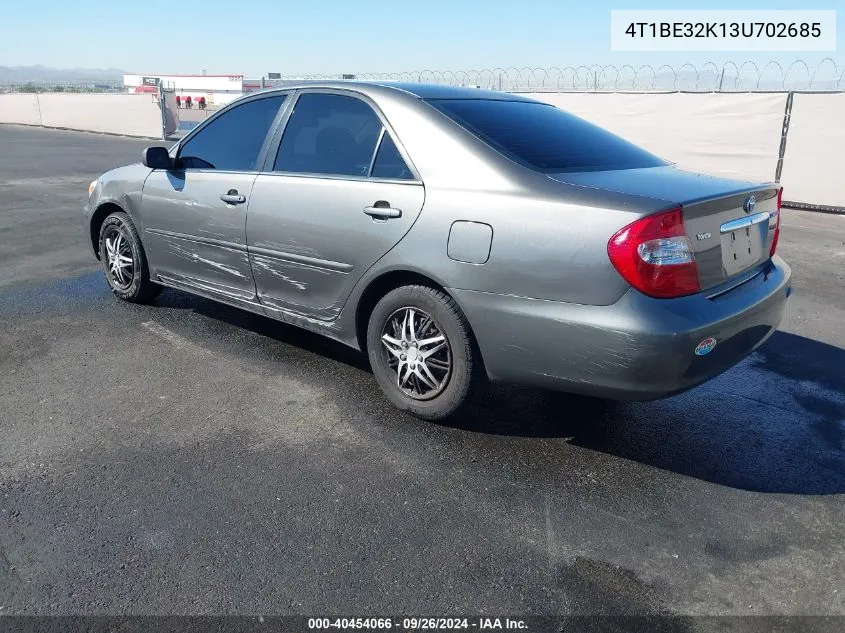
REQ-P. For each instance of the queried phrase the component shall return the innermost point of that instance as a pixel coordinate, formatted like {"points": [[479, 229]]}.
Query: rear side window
{"points": [[232, 141], [544, 137], [329, 134], [389, 162]]}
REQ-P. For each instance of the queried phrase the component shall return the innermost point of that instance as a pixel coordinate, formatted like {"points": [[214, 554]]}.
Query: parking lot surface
{"points": [[186, 457]]}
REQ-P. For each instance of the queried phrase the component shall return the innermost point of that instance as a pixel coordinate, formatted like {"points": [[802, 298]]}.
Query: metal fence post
{"points": [[784, 132], [38, 104], [162, 104]]}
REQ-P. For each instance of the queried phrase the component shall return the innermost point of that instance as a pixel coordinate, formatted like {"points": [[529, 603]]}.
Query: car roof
{"points": [[437, 91], [419, 90]]}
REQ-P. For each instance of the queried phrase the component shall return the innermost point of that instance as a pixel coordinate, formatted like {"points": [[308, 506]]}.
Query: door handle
{"points": [[233, 197], [383, 213]]}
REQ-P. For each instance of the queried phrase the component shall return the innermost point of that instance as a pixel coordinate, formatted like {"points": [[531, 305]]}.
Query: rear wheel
{"points": [[422, 352], [124, 261]]}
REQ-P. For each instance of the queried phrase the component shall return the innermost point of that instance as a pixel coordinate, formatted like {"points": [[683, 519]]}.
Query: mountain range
{"points": [[40, 74]]}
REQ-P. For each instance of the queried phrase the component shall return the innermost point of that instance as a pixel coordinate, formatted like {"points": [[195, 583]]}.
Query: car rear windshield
{"points": [[544, 137]]}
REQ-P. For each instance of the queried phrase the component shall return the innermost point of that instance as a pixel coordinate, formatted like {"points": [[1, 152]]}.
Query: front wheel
{"points": [[124, 261], [422, 352]]}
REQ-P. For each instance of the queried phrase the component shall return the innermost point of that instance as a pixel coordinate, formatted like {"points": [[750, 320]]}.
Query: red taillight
{"points": [[777, 226], [655, 256]]}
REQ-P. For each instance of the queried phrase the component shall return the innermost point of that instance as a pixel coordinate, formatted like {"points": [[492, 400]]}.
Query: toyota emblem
{"points": [[750, 204]]}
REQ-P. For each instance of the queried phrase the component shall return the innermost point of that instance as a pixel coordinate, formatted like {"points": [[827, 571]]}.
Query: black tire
{"points": [[138, 289], [464, 372]]}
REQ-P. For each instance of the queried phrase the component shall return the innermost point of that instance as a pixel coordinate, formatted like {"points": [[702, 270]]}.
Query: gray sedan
{"points": [[454, 235]]}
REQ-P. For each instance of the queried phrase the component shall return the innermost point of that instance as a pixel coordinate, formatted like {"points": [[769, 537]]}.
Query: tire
{"points": [[453, 386], [130, 282]]}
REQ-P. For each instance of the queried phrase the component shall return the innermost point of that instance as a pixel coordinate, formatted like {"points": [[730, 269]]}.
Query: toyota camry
{"points": [[454, 235]]}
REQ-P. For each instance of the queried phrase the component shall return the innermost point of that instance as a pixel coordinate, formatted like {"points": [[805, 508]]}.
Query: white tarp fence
{"points": [[129, 114], [731, 135], [814, 161], [737, 135], [19, 108]]}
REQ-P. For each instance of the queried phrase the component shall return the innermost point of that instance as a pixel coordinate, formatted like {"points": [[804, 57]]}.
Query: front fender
{"points": [[121, 188]]}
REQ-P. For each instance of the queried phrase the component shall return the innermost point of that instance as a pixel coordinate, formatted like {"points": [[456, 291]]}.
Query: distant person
{"points": [[202, 103], [178, 101], [188, 102]]}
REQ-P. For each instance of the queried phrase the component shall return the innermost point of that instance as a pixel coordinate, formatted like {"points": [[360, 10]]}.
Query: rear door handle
{"points": [[383, 213], [233, 197]]}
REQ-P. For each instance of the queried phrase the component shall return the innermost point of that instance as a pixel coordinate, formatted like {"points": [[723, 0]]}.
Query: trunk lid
{"points": [[730, 223]]}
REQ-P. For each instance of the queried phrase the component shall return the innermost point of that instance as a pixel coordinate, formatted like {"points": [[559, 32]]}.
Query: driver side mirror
{"points": [[157, 158]]}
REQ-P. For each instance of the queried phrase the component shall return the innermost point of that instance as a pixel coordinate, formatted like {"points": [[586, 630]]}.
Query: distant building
{"points": [[275, 80], [264, 83], [217, 89]]}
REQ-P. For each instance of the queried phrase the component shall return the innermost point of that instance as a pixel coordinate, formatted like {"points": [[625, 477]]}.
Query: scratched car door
{"points": [[194, 216], [340, 195]]}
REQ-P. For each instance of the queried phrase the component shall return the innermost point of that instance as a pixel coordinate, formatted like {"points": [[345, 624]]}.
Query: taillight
{"points": [[777, 225], [655, 256]]}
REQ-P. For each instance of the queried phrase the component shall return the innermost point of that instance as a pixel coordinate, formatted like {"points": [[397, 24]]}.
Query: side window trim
{"points": [[375, 151], [287, 96], [288, 108], [281, 115], [274, 140]]}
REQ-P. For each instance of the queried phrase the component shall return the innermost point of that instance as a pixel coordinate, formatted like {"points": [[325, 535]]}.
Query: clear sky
{"points": [[254, 37]]}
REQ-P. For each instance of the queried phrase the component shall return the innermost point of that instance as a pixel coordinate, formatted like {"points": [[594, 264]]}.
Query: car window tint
{"points": [[329, 134], [544, 137], [233, 140], [389, 162]]}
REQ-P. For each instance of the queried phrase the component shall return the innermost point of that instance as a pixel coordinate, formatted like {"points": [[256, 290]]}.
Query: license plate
{"points": [[741, 248]]}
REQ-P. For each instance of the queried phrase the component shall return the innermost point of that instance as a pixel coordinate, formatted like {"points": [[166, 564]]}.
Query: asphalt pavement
{"points": [[186, 457]]}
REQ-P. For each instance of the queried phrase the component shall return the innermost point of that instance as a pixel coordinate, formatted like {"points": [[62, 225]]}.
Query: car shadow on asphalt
{"points": [[718, 433], [265, 326], [736, 440]]}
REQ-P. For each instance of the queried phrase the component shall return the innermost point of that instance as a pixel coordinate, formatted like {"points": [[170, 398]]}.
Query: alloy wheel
{"points": [[417, 350], [120, 264]]}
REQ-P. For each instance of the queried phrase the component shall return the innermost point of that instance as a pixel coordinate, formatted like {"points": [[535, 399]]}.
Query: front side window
{"points": [[329, 134], [544, 137], [233, 140]]}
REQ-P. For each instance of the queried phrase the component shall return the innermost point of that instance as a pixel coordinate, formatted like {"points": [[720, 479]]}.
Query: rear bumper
{"points": [[638, 348]]}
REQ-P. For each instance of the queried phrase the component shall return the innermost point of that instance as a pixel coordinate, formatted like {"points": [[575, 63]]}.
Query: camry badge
{"points": [[703, 236], [750, 204]]}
